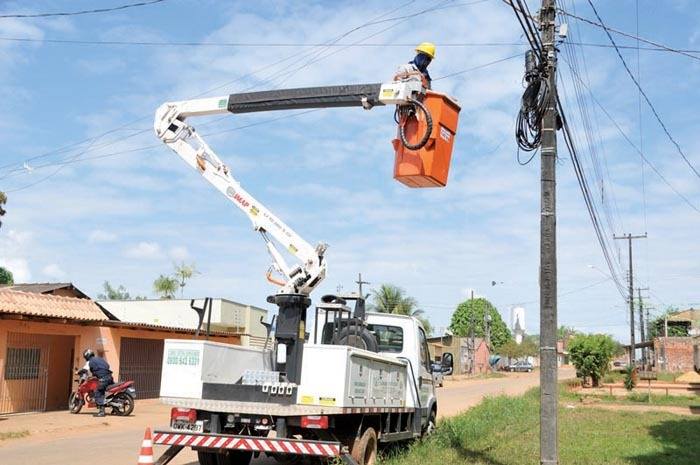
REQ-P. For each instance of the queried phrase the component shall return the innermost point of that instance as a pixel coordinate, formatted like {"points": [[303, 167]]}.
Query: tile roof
{"points": [[42, 288], [49, 306]]}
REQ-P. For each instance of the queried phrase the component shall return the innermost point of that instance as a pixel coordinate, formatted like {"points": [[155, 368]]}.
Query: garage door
{"points": [[141, 360]]}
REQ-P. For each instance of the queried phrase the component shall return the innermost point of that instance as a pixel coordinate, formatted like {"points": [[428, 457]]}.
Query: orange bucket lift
{"points": [[429, 165]]}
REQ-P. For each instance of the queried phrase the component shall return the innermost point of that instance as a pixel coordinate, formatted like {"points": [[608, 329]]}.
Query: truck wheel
{"points": [[234, 457], [364, 448], [206, 458], [430, 424]]}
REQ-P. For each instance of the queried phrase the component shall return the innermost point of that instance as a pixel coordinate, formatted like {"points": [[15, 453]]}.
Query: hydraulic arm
{"points": [[172, 127]]}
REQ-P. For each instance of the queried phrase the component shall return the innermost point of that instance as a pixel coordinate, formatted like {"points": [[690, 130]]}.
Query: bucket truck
{"points": [[365, 379]]}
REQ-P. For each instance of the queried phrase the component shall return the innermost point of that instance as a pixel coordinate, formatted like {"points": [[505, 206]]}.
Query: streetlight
{"points": [[593, 267]]}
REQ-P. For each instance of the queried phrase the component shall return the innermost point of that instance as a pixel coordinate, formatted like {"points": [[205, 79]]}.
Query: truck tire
{"points": [[234, 457], [357, 336], [364, 448], [429, 427]]}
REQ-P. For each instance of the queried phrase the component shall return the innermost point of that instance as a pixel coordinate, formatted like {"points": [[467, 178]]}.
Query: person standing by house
{"points": [[99, 369]]}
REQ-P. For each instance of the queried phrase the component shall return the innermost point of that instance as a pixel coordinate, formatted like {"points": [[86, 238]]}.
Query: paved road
{"points": [[58, 438]]}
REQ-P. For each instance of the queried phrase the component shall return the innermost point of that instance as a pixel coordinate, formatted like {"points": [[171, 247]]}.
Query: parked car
{"points": [[521, 366], [438, 376]]}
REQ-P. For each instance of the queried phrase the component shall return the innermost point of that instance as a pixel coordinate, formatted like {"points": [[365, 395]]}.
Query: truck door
{"points": [[425, 376]]}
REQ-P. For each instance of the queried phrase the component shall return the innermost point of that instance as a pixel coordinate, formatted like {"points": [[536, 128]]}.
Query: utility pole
{"points": [[360, 282], [549, 454], [629, 238], [642, 333], [471, 343]]}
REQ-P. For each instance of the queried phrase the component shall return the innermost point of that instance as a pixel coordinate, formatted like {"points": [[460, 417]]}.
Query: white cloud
{"points": [[53, 271], [144, 250], [19, 268], [100, 236], [179, 253]]}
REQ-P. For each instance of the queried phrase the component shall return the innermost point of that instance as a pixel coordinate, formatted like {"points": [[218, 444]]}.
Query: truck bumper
{"points": [[271, 446]]}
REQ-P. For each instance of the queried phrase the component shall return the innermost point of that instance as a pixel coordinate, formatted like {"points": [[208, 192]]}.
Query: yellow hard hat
{"points": [[428, 48]]}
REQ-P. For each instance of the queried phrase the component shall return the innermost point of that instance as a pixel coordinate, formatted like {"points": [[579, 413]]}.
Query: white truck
{"points": [[366, 377], [231, 403]]}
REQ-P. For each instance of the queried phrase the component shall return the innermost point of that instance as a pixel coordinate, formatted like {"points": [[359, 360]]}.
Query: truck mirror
{"points": [[447, 362]]}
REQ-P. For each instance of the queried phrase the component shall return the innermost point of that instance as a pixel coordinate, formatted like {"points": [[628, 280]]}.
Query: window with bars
{"points": [[22, 363]]}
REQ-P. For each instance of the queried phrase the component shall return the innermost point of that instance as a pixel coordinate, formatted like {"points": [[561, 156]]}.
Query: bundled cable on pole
{"points": [[528, 127]]}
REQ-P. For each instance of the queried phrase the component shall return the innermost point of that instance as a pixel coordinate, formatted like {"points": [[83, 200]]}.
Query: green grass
{"points": [[13, 435], [633, 398], [505, 431]]}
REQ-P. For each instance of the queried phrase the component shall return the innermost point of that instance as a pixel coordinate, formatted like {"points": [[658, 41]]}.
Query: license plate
{"points": [[196, 427]]}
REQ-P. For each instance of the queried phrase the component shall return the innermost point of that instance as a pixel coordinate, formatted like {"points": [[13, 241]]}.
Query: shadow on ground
{"points": [[680, 440]]}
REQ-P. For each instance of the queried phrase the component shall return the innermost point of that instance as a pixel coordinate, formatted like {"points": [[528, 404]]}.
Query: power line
{"points": [[275, 75], [310, 44], [631, 143], [631, 36], [636, 83], [81, 12], [71, 160]]}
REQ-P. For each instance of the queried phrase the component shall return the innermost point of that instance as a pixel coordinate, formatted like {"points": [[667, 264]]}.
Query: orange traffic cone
{"points": [[146, 454]]}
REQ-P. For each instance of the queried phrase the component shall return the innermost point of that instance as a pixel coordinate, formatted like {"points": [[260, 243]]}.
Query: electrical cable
{"points": [[632, 144], [687, 53], [528, 126], [82, 12], [646, 98], [239, 78]]}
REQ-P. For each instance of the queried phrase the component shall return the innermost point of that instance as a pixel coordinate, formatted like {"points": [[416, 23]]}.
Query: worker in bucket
{"points": [[100, 369], [425, 53]]}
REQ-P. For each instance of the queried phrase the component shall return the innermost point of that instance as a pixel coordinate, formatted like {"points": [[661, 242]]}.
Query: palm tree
{"points": [[165, 286], [392, 299], [183, 273]]}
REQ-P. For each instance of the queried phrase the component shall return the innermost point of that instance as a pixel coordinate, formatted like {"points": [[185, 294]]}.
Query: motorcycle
{"points": [[119, 396]]}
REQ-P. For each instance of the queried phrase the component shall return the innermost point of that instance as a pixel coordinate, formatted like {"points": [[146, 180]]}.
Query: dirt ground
{"points": [[60, 438]]}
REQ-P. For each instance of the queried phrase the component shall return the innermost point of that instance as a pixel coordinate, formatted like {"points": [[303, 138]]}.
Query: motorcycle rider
{"points": [[100, 369]]}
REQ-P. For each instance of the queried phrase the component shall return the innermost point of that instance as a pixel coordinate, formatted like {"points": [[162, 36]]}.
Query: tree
{"points": [[165, 286], [392, 299], [656, 326], [113, 293], [528, 348], [3, 201], [471, 314], [565, 332], [184, 273], [591, 355], [6, 276]]}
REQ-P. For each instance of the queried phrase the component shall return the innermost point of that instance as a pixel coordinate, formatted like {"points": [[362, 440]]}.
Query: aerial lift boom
{"points": [[173, 129]]}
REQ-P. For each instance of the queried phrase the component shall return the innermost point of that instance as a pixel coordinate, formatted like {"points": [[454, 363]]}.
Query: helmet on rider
{"points": [[88, 354]]}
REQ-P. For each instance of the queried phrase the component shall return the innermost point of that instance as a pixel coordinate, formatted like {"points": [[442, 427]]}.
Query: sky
{"points": [[93, 195]]}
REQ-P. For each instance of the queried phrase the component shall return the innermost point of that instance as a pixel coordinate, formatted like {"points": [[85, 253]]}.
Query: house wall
{"points": [[64, 344], [677, 351], [481, 359]]}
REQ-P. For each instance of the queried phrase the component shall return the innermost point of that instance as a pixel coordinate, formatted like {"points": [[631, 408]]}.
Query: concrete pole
{"points": [[549, 454]]}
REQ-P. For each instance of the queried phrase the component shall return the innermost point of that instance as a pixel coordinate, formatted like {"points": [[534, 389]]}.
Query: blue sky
{"points": [[122, 213]]}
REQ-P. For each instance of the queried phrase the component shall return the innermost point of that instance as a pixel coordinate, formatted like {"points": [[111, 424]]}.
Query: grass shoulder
{"points": [[505, 431]]}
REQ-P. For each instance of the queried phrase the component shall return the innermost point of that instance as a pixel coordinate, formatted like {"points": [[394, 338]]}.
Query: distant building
{"points": [[467, 358], [517, 323], [59, 289], [226, 316]]}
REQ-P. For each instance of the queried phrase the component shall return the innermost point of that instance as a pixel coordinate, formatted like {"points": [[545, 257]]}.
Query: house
{"points": [[688, 319], [468, 356], [676, 354], [43, 336], [59, 289]]}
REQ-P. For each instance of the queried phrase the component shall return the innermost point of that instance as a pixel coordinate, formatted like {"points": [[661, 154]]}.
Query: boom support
{"points": [[172, 128]]}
